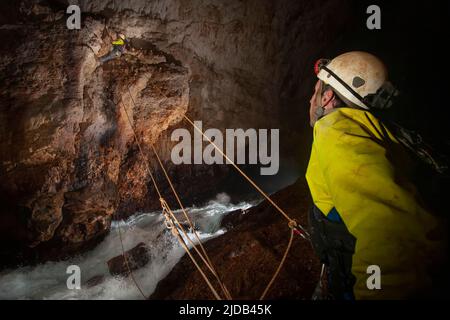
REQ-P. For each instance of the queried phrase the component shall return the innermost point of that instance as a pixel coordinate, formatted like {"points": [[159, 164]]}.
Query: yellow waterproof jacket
{"points": [[359, 168], [118, 42]]}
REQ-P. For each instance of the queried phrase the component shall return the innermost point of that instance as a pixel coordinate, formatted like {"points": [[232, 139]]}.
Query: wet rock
{"points": [[247, 255], [136, 258], [233, 219], [95, 281]]}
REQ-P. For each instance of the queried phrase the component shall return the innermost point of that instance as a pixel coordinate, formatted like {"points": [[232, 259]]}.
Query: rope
{"points": [[167, 211], [130, 272], [142, 152], [210, 267], [291, 221], [208, 263], [293, 224], [205, 258], [170, 217], [167, 208], [283, 260]]}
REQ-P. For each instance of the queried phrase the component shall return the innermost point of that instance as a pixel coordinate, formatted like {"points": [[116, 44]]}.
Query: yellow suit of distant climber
{"points": [[117, 50], [367, 225]]}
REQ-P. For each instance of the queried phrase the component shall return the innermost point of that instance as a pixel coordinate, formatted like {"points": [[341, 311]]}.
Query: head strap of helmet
{"points": [[356, 94]]}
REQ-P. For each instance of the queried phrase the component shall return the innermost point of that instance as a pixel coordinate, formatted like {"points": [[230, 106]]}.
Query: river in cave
{"points": [[49, 280]]}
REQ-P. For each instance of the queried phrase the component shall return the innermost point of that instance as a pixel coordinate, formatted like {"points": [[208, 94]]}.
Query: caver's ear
{"points": [[327, 95], [327, 98]]}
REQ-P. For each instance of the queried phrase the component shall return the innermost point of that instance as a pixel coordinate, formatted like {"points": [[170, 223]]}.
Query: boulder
{"points": [[136, 258], [95, 281]]}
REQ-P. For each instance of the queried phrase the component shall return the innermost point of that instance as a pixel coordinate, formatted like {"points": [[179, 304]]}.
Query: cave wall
{"points": [[68, 159]]}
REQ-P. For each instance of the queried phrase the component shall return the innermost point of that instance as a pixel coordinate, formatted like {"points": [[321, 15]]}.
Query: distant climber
{"points": [[118, 49], [367, 224]]}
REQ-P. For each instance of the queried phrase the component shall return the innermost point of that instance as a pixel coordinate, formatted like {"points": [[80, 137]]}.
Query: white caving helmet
{"points": [[353, 75], [122, 36]]}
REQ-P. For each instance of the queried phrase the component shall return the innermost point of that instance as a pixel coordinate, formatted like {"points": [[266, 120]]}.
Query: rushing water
{"points": [[49, 280]]}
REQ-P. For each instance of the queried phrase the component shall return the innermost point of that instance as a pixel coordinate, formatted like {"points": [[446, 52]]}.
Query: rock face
{"points": [[247, 255], [68, 154], [68, 158]]}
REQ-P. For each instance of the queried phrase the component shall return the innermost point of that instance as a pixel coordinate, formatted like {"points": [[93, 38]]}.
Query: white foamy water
{"points": [[48, 280]]}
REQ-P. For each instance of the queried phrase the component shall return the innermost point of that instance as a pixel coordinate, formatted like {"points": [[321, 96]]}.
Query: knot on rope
{"points": [[297, 229], [293, 224], [165, 211]]}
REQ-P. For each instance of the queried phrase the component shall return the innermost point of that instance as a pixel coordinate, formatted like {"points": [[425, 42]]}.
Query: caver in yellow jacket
{"points": [[118, 42], [359, 170]]}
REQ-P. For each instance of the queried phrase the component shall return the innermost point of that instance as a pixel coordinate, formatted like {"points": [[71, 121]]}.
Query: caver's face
{"points": [[314, 103], [322, 98]]}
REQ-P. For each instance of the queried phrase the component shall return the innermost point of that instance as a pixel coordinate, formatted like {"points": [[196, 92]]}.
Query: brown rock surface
{"points": [[95, 281], [247, 255], [68, 155], [131, 260]]}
